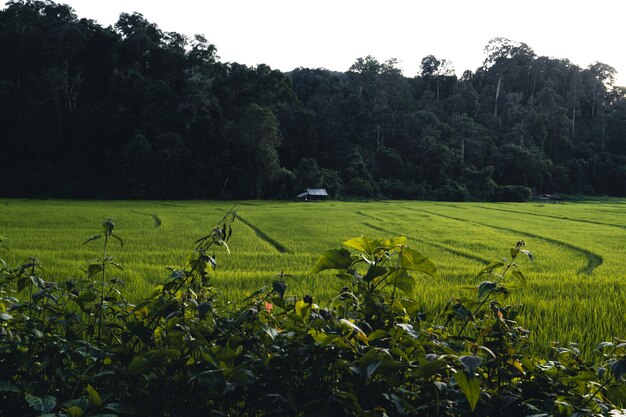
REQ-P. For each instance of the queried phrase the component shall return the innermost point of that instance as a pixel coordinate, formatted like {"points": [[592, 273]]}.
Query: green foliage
{"points": [[78, 348], [514, 193], [160, 116]]}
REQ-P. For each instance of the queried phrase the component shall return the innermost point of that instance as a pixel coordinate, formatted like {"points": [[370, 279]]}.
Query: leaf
{"points": [[415, 261], [94, 237], [371, 368], [618, 368], [485, 287], [137, 364], [5, 317], [75, 411], [529, 254], [86, 297], [471, 363], [6, 386], [270, 331], [301, 308], [403, 281], [362, 244], [94, 397], [520, 276], [373, 272], [94, 269], [119, 239], [489, 268], [470, 387], [41, 404], [360, 334], [429, 368], [408, 329], [279, 287], [333, 259], [120, 408]]}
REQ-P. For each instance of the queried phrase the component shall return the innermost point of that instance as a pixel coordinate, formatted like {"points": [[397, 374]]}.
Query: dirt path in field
{"points": [[263, 236], [552, 217], [593, 259]]}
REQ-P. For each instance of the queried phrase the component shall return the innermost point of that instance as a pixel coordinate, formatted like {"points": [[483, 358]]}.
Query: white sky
{"points": [[333, 33]]}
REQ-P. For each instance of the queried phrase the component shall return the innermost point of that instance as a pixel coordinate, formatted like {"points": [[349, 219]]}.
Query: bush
{"points": [[452, 192], [78, 348], [514, 193]]}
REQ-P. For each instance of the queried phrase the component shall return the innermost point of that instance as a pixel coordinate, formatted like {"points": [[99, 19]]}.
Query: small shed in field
{"points": [[313, 194], [553, 198]]}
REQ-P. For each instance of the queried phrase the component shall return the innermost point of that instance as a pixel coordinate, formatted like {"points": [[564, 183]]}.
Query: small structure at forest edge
{"points": [[554, 198], [313, 194]]}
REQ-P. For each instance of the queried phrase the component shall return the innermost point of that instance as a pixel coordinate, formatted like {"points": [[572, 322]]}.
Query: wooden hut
{"points": [[313, 194], [553, 198]]}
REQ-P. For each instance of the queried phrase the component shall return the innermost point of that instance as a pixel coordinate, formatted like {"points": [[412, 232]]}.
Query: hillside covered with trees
{"points": [[131, 111]]}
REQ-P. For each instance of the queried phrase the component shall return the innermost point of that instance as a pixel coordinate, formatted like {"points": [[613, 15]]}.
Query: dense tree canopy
{"points": [[130, 111]]}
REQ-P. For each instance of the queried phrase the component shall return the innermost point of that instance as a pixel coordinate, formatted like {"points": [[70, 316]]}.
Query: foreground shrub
{"points": [[78, 348]]}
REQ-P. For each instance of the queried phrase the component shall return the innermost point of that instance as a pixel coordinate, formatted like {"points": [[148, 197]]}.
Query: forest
{"points": [[132, 111]]}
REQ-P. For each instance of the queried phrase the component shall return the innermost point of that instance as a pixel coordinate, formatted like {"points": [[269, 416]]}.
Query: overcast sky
{"points": [[333, 33]]}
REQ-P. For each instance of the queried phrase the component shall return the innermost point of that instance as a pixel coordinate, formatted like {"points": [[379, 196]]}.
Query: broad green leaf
{"points": [[403, 281], [415, 261], [279, 287], [485, 287], [489, 268], [120, 408], [41, 404], [429, 368], [94, 269], [471, 363], [408, 329], [411, 306], [520, 276], [377, 334], [6, 386], [363, 244], [301, 308], [470, 387], [137, 364], [374, 271], [333, 259], [371, 368], [618, 368], [86, 297], [360, 334], [94, 397], [75, 411], [529, 254]]}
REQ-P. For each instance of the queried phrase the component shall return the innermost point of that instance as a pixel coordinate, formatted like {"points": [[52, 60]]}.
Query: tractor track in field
{"points": [[360, 213], [263, 236], [155, 218], [436, 245], [553, 217], [593, 259]]}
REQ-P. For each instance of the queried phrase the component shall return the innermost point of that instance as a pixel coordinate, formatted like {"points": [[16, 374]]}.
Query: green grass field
{"points": [[576, 286]]}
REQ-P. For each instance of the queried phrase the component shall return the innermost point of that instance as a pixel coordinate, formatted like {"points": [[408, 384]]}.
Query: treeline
{"points": [[131, 111]]}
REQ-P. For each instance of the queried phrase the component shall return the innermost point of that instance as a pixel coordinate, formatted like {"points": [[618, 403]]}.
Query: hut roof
{"points": [[317, 191]]}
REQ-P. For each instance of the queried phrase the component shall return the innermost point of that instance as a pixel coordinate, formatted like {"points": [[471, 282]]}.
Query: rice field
{"points": [[576, 289]]}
